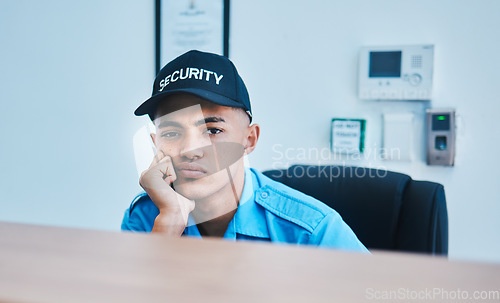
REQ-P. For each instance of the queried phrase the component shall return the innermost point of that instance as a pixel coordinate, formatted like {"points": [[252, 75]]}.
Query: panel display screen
{"points": [[385, 64], [441, 122]]}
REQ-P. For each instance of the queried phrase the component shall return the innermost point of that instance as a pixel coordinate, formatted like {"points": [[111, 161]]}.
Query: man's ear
{"points": [[252, 138]]}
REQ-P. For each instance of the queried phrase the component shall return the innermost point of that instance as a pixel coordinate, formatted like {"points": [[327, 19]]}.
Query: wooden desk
{"points": [[50, 264]]}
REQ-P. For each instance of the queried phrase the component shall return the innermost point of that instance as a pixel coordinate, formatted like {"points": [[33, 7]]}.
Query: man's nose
{"points": [[194, 143]]}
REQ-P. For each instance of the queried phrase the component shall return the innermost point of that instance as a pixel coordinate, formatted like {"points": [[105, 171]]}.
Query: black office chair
{"points": [[386, 210]]}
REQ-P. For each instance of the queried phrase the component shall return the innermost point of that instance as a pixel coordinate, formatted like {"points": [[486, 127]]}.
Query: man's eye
{"points": [[213, 131], [170, 134]]}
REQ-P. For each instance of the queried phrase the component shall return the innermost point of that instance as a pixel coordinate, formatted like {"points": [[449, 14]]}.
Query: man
{"points": [[198, 184]]}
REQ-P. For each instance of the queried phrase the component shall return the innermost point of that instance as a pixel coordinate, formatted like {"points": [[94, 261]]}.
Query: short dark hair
{"points": [[244, 112]]}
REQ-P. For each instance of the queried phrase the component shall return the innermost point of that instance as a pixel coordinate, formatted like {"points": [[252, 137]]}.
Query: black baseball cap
{"points": [[208, 76]]}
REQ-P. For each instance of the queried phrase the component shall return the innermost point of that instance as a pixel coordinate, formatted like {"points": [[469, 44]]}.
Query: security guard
{"points": [[198, 184]]}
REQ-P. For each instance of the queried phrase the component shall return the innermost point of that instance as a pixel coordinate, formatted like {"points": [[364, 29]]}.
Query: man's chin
{"points": [[200, 188], [192, 191]]}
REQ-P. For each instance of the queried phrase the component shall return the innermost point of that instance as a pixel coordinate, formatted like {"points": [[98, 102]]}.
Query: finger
{"points": [[166, 167], [155, 172], [171, 170], [158, 157]]}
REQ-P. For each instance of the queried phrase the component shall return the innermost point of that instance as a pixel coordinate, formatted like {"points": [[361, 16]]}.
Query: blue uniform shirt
{"points": [[268, 211]]}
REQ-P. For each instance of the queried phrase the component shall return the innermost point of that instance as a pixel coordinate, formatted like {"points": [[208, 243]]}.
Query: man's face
{"points": [[203, 139]]}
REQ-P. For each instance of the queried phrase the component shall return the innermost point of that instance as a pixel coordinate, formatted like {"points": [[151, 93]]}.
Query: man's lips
{"points": [[190, 170]]}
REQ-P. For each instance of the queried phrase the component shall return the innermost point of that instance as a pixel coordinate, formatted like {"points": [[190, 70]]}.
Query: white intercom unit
{"points": [[396, 72], [440, 136]]}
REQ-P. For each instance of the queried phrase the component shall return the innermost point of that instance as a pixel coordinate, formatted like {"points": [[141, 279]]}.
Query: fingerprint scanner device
{"points": [[440, 125], [396, 72]]}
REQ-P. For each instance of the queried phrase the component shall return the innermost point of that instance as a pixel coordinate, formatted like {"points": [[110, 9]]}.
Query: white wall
{"points": [[74, 71], [299, 60]]}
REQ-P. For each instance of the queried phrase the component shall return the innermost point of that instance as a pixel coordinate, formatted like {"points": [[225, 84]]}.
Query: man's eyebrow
{"points": [[211, 119], [169, 123]]}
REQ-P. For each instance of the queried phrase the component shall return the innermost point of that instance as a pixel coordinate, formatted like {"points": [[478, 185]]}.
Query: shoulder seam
{"points": [[314, 233], [295, 199], [310, 228], [284, 194]]}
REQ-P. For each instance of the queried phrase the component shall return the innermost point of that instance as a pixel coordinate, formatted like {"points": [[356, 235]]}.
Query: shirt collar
{"points": [[191, 228], [250, 219], [248, 188]]}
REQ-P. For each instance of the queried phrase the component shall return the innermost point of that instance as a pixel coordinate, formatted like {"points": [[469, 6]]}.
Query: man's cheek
{"points": [[169, 150]]}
